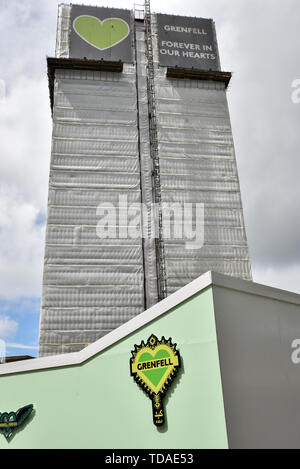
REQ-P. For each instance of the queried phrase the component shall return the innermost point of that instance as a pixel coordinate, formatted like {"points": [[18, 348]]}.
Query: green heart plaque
{"points": [[154, 366], [101, 34], [154, 376], [9, 421]]}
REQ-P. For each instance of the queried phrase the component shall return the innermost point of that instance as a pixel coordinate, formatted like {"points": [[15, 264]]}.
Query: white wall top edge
{"points": [[202, 282], [124, 330]]}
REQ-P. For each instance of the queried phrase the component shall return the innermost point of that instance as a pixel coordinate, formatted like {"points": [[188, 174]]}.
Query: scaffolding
{"points": [[160, 255]]}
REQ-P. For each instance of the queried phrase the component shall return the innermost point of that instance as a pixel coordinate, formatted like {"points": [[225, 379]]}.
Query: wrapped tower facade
{"points": [[141, 135]]}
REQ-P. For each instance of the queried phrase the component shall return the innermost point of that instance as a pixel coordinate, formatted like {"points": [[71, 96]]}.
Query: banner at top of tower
{"points": [[187, 42], [100, 33]]}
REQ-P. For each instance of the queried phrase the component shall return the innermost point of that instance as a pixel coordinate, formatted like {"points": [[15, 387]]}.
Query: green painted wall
{"points": [[98, 404]]}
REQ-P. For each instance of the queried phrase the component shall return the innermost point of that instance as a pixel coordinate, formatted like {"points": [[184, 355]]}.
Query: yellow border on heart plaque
{"points": [[154, 366]]}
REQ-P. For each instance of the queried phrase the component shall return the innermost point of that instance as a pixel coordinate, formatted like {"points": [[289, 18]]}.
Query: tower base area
{"points": [[228, 350]]}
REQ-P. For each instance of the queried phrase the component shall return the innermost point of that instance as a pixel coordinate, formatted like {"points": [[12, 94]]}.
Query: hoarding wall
{"points": [[102, 392]]}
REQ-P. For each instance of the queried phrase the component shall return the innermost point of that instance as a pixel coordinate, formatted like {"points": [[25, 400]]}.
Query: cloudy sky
{"points": [[259, 42]]}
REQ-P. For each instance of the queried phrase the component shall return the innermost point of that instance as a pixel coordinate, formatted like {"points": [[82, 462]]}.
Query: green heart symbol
{"points": [[8, 421], [101, 34], [154, 375]]}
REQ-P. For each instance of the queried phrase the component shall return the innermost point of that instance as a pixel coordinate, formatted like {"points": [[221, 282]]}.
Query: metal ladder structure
{"points": [[160, 253]]}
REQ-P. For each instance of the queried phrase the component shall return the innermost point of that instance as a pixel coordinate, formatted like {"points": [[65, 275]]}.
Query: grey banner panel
{"points": [[187, 42], [100, 33], [261, 384]]}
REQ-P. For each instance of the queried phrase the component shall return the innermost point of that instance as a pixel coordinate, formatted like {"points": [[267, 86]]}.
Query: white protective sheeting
{"points": [[101, 155], [63, 31], [198, 165], [91, 285]]}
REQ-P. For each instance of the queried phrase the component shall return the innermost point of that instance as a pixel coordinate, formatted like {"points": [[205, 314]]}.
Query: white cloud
{"points": [[25, 128], [285, 277], [21, 346], [8, 327], [21, 246]]}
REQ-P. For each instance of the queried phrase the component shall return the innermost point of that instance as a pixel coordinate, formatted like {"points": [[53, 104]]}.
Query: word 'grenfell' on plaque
{"points": [[100, 33], [154, 366], [187, 42]]}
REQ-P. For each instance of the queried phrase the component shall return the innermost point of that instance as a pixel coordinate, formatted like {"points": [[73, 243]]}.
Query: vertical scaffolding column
{"points": [[161, 271], [149, 248]]}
